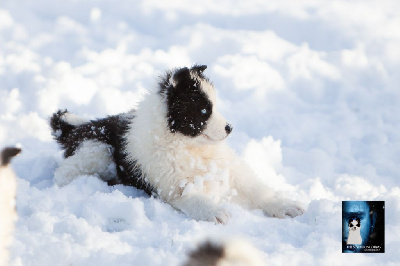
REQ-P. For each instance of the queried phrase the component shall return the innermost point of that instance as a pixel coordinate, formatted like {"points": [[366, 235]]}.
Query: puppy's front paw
{"points": [[218, 216], [283, 208]]}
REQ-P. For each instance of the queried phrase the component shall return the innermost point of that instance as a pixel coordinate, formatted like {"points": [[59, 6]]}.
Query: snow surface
{"points": [[311, 88]]}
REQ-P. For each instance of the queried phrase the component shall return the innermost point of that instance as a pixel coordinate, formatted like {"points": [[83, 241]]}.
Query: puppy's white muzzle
{"points": [[217, 128]]}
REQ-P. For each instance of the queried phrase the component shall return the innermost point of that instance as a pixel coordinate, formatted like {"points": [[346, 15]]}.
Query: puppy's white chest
{"points": [[210, 178]]}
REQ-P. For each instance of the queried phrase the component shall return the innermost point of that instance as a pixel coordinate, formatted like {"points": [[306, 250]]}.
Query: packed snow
{"points": [[310, 87]]}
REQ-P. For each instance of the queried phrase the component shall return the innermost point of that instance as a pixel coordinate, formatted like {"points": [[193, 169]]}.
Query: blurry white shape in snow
{"points": [[95, 14], [5, 19]]}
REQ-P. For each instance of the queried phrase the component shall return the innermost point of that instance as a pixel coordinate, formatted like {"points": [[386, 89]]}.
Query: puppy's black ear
{"points": [[180, 75], [199, 69], [7, 154]]}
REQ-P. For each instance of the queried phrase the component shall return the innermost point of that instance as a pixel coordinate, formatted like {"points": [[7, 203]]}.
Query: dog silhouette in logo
{"points": [[354, 232]]}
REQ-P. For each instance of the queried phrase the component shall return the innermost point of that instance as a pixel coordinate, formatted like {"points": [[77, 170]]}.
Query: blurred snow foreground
{"points": [[311, 88]]}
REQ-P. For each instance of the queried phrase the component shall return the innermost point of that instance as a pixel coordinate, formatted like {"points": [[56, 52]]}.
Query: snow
{"points": [[311, 88]]}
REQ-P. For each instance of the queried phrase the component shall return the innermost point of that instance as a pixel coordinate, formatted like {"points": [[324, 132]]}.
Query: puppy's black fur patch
{"points": [[188, 106]]}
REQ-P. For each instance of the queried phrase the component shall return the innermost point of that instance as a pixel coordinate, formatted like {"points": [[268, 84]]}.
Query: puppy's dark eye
{"points": [[203, 111]]}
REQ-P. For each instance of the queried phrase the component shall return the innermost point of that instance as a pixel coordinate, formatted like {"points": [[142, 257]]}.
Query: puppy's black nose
{"points": [[228, 129]]}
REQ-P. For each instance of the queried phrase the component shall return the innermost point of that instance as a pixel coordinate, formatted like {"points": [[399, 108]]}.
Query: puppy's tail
{"points": [[60, 126]]}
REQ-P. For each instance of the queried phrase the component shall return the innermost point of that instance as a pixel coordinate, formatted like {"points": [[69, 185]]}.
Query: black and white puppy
{"points": [[354, 237], [8, 215], [172, 145]]}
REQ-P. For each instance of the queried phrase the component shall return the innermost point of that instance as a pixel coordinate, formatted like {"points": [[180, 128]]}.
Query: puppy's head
{"points": [[191, 106], [354, 224]]}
